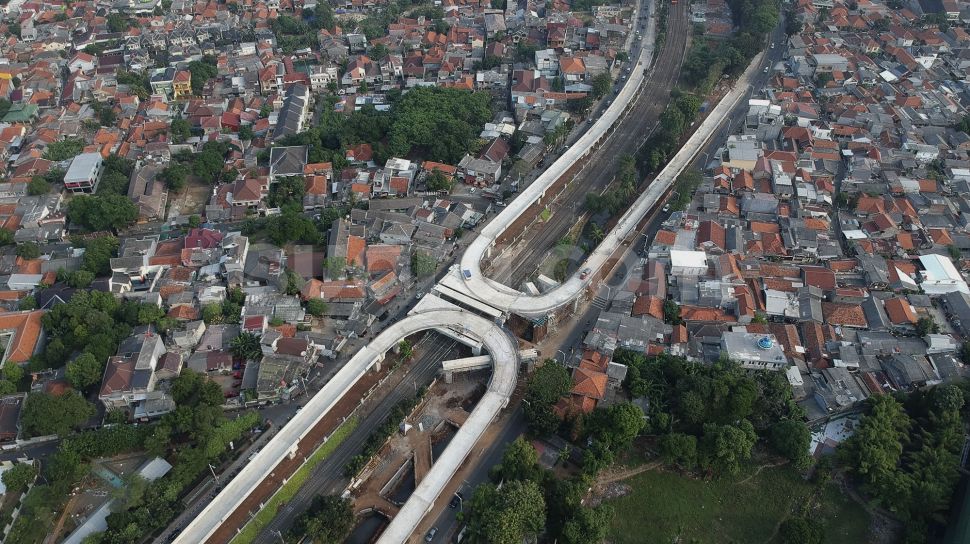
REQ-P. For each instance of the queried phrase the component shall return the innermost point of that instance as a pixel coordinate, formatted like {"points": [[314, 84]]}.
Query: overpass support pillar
{"points": [[377, 362], [449, 377], [293, 450], [477, 350]]}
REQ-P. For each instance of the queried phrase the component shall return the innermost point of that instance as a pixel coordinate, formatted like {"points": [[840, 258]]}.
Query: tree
{"points": [[28, 250], [290, 227], [438, 182], [17, 478], [174, 175], [180, 130], [792, 438], [406, 349], [45, 414], [549, 382], [601, 84], [84, 371], [800, 531], [316, 307], [99, 212], [246, 133], [588, 525], [328, 519], [616, 426], [201, 73], [444, 123], [13, 372], [118, 22], [288, 193], [6, 237], [98, 253], [7, 387], [38, 186], [724, 447], [209, 163], [519, 462], [926, 325], [246, 346], [212, 313], [63, 150], [507, 515], [79, 279], [873, 453], [194, 221], [672, 313], [679, 449], [423, 265], [293, 283]]}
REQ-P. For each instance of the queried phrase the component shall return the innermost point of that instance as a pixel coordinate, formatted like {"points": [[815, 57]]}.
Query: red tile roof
{"points": [[849, 315], [900, 311], [26, 328], [589, 383]]}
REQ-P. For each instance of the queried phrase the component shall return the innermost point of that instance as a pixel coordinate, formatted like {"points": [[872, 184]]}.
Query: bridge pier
{"points": [[377, 362]]}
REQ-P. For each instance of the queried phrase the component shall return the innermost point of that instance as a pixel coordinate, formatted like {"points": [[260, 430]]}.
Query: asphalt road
{"points": [[328, 477], [446, 521], [626, 139]]}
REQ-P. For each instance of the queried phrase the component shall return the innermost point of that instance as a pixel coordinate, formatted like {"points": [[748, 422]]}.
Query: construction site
{"points": [[392, 475]]}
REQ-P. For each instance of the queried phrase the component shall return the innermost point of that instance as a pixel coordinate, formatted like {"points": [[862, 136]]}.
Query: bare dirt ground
{"points": [[191, 200]]}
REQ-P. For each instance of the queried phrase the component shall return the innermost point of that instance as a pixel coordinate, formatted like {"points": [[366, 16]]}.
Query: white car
{"points": [[666, 208], [772, 45]]}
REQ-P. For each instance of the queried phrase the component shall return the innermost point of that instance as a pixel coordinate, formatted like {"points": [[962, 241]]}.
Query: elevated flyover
{"points": [[432, 313], [436, 313], [468, 278]]}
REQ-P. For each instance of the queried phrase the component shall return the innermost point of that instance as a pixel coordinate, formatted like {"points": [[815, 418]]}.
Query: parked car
{"points": [[430, 536], [455, 500], [584, 274]]}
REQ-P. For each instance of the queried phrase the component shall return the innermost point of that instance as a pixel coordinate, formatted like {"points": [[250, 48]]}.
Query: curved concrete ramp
{"points": [[505, 298], [500, 345]]}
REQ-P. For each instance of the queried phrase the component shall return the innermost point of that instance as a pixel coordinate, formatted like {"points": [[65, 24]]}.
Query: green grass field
{"points": [[663, 506], [264, 516]]}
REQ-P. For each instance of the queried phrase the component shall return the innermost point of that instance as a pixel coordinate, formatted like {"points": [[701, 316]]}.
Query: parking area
{"points": [[230, 383]]}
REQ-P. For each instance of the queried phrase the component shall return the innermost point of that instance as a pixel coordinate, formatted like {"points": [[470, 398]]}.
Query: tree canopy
{"points": [[45, 414], [85, 371], [546, 385], [506, 515], [19, 477], [906, 453], [328, 519], [96, 212], [62, 150]]}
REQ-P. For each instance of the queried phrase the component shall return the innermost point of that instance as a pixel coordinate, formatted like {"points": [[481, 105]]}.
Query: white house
{"points": [[687, 263], [940, 276]]}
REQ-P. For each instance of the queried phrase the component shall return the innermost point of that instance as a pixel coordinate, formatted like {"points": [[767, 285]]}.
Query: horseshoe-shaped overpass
{"points": [[470, 328]]}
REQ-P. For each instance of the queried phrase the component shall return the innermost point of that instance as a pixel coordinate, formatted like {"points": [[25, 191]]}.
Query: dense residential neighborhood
{"points": [[208, 209]]}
